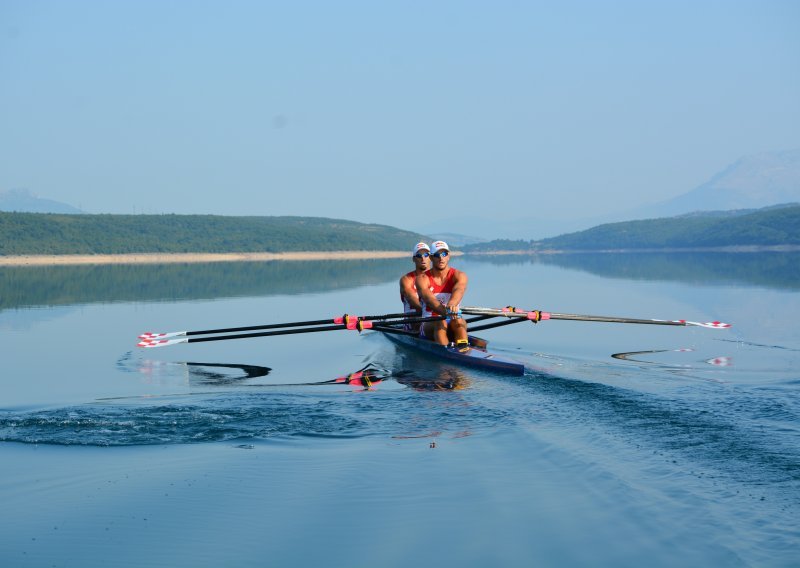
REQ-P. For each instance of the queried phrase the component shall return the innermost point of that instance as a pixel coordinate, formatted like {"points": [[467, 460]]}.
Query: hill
{"points": [[24, 201], [764, 227], [41, 233]]}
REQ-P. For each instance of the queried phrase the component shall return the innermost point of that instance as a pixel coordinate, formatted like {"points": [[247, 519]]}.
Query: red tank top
{"points": [[442, 291]]}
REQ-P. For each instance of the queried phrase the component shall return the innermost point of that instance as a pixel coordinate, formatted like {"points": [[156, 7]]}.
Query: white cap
{"points": [[440, 245], [420, 246]]}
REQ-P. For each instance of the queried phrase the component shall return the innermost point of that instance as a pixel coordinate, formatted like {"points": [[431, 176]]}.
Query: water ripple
{"points": [[250, 416]]}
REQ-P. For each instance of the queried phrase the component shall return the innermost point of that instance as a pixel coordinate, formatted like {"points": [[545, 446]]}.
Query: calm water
{"points": [[621, 446]]}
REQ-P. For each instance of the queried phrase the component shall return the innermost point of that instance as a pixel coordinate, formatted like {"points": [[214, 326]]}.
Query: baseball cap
{"points": [[440, 245], [420, 246]]}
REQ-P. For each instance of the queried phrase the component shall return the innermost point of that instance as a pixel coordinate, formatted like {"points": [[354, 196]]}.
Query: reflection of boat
{"points": [[475, 356]]}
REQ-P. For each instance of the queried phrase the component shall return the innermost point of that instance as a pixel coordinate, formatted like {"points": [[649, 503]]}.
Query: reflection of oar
{"points": [[250, 371], [722, 361], [629, 356], [538, 315], [366, 377]]}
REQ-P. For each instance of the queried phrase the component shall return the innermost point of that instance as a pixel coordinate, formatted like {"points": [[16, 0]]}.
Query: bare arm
{"points": [[459, 288], [423, 288], [408, 292]]}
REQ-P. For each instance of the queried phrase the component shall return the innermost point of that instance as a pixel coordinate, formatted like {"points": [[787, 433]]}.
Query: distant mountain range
{"points": [[775, 226], [752, 182], [24, 201], [749, 184]]}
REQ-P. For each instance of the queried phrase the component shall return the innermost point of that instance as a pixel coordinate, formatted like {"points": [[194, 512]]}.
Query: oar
{"points": [[345, 319], [538, 315], [355, 324]]}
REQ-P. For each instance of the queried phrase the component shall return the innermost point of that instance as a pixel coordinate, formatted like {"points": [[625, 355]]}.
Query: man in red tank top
{"points": [[441, 289], [408, 287]]}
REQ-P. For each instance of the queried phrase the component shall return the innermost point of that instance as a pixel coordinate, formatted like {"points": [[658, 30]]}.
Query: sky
{"points": [[399, 113]]}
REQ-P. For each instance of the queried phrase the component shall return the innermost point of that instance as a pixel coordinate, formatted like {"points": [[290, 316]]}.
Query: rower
{"points": [[441, 289], [408, 287]]}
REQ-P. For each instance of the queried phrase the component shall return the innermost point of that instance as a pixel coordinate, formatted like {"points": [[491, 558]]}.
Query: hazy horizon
{"points": [[390, 114]]}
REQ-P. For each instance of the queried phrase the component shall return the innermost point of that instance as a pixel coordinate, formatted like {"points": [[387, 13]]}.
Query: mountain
{"points": [[455, 239], [752, 182], [771, 226], [482, 229], [24, 201]]}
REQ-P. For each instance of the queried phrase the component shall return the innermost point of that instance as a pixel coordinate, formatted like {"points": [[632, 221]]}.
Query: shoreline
{"points": [[732, 248], [190, 257], [201, 257]]}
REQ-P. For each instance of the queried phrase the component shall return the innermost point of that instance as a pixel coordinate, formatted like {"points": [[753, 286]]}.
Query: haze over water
{"points": [[681, 449]]}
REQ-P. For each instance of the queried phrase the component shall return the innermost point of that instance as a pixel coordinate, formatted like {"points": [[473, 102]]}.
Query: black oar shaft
{"points": [[255, 327], [265, 333], [308, 323], [304, 330], [498, 324]]}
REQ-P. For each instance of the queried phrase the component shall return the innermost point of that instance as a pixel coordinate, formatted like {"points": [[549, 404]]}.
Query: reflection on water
{"points": [[779, 270], [240, 375], [230, 401], [446, 378], [28, 286], [254, 412]]}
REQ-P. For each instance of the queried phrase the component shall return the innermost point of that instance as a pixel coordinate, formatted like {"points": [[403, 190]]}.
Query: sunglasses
{"points": [[442, 254], [422, 255]]}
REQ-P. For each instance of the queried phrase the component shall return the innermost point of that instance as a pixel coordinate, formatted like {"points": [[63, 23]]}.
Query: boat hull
{"points": [[476, 356]]}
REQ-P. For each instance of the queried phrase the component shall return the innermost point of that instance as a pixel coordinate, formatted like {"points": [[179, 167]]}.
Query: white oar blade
{"points": [[150, 336], [709, 324], [150, 343]]}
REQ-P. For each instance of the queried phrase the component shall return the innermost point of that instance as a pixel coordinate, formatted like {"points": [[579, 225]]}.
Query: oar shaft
{"points": [[330, 321], [538, 315], [289, 324], [304, 330], [557, 316], [611, 319], [357, 325], [493, 325], [265, 333]]}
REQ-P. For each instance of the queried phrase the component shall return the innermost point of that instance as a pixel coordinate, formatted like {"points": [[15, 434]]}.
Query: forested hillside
{"points": [[765, 227], [37, 233]]}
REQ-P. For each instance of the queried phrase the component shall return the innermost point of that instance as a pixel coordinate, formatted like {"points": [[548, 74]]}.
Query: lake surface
{"points": [[622, 445]]}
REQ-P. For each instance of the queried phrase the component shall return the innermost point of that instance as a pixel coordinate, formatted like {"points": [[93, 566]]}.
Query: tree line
{"points": [[44, 233]]}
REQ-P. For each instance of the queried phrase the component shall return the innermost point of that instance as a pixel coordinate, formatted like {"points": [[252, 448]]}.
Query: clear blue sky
{"points": [[382, 112]]}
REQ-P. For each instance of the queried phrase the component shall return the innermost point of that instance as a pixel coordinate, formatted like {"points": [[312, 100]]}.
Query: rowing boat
{"points": [[475, 356]]}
